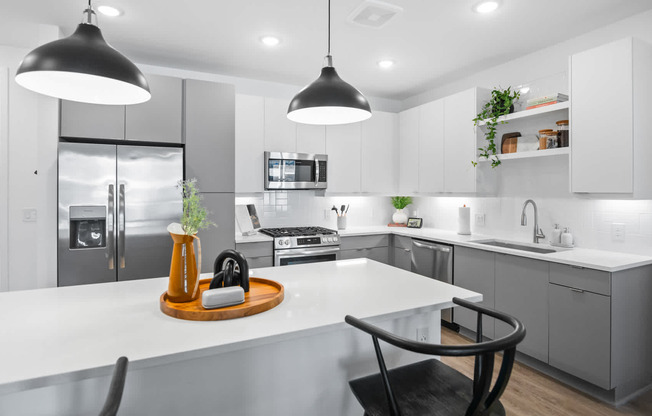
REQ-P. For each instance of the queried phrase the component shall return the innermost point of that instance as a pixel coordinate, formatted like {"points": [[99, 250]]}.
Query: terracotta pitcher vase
{"points": [[184, 272]]}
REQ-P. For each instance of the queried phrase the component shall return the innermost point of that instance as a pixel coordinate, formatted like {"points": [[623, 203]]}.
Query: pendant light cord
{"points": [[329, 27]]}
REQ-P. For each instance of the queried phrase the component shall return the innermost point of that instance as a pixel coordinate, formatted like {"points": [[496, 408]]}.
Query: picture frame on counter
{"points": [[414, 222]]}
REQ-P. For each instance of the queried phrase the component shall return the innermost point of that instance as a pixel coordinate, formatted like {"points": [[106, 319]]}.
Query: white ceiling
{"points": [[432, 41]]}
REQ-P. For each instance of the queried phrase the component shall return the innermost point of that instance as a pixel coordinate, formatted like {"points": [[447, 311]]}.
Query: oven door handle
{"points": [[301, 252], [316, 172]]}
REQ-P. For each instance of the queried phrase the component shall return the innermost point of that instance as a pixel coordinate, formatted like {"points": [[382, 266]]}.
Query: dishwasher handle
{"points": [[443, 249]]}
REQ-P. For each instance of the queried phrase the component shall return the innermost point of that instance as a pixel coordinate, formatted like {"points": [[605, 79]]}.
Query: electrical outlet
{"points": [[423, 334], [618, 232], [327, 214], [479, 220], [29, 214]]}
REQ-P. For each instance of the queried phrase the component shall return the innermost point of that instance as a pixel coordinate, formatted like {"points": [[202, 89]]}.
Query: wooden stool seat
{"points": [[426, 388]]}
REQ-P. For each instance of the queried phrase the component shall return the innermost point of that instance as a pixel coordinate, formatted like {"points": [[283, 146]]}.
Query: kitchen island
{"points": [[59, 345]]}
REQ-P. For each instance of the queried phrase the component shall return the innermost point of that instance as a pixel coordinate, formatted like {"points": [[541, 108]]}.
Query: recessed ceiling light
{"points": [[270, 40], [386, 63], [109, 11], [486, 6]]}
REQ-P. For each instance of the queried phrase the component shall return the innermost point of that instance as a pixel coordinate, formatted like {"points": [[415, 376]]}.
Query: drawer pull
{"points": [[577, 290], [578, 267], [407, 250]]}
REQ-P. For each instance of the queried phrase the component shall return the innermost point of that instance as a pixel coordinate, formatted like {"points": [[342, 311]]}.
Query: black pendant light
{"points": [[83, 67], [329, 100]]}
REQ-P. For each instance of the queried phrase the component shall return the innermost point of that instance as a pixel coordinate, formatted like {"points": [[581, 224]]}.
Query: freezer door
{"points": [[147, 202], [86, 241]]}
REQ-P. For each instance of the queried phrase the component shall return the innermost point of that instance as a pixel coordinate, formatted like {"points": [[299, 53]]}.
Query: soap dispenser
{"points": [[556, 235], [566, 238]]}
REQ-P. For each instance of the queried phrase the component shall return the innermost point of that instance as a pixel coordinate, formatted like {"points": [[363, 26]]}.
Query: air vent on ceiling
{"points": [[373, 13]]}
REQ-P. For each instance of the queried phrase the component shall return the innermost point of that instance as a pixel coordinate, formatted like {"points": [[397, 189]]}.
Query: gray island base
{"points": [[294, 359]]}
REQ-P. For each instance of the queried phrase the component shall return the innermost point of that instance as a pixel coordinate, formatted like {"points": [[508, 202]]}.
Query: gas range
{"points": [[302, 237]]}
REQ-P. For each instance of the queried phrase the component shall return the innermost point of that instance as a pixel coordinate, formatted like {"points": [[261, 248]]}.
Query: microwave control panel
{"points": [[322, 171]]}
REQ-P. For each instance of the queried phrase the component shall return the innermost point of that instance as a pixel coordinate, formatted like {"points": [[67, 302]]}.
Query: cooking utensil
{"points": [[342, 209], [347, 208], [336, 211]]}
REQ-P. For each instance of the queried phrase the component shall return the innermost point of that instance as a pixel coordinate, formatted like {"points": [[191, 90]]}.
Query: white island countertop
{"points": [[65, 334]]}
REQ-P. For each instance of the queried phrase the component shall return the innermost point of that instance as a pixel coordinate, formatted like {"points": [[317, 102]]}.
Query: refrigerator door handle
{"points": [[110, 230], [121, 225]]}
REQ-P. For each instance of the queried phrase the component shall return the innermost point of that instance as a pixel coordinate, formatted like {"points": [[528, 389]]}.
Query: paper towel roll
{"points": [[464, 220]]}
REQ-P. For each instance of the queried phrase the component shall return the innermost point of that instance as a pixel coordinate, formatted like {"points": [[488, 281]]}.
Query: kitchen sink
{"points": [[518, 246]]}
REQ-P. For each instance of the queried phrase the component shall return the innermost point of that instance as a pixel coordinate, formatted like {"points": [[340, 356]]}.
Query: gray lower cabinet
{"points": [[474, 270], [160, 118], [91, 121], [210, 134], [214, 240], [522, 292], [258, 254], [374, 247], [401, 251], [580, 335]]}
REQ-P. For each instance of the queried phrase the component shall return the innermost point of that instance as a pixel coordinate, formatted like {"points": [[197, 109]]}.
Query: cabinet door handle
{"points": [[407, 250], [577, 290]]}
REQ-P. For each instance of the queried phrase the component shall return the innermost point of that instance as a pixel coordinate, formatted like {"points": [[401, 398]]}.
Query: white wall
{"points": [[546, 180], [28, 142]]}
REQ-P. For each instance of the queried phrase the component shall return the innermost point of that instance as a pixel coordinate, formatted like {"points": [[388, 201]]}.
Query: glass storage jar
{"points": [[563, 134], [543, 138]]}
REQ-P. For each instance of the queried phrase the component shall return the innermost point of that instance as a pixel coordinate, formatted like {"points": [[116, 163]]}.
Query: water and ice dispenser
{"points": [[87, 227]]}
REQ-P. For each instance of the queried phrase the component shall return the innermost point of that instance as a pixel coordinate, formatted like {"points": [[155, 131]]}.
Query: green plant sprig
{"points": [[401, 202], [195, 216], [499, 105]]}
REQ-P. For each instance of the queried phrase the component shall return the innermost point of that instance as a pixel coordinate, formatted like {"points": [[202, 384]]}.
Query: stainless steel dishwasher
{"points": [[434, 260]]}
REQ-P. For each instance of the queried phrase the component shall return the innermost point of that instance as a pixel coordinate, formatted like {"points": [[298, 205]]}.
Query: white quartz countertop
{"points": [[64, 334], [609, 261]]}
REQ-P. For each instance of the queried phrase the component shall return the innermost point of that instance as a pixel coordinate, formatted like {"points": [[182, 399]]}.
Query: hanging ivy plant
{"points": [[500, 104]]}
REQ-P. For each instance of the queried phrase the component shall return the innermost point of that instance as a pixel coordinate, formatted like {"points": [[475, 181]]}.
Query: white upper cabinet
{"points": [[409, 151], [460, 141], [611, 101], [311, 139], [343, 143], [249, 143], [431, 147], [280, 132], [379, 154]]}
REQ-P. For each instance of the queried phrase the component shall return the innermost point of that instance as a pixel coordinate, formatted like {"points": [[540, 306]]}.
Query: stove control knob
{"points": [[287, 241], [281, 242], [328, 239], [335, 239]]}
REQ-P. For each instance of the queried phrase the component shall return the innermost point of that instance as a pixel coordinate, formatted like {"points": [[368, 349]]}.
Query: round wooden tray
{"points": [[263, 295]]}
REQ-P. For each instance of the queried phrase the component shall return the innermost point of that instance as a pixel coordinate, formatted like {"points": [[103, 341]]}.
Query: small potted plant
{"points": [[400, 202], [500, 104], [184, 270]]}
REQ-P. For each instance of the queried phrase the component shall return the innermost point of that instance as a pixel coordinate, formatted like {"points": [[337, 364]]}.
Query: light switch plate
{"points": [[618, 232], [29, 214]]}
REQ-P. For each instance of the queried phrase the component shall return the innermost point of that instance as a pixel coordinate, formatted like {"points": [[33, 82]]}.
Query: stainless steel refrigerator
{"points": [[115, 203]]}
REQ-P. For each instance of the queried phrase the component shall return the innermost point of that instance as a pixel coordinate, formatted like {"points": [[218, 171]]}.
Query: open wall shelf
{"points": [[530, 113]]}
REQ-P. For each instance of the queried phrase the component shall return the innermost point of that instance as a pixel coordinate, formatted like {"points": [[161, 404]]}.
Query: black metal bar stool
{"points": [[431, 387], [114, 397]]}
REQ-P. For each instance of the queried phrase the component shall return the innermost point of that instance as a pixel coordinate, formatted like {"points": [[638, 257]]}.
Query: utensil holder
{"points": [[341, 223]]}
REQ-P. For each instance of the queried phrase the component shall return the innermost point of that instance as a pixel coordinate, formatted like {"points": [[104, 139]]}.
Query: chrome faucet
{"points": [[538, 233]]}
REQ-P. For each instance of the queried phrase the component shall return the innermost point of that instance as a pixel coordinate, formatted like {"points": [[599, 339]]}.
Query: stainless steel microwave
{"points": [[295, 171]]}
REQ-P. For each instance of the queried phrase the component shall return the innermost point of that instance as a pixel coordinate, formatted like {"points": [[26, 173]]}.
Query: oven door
{"points": [[305, 255]]}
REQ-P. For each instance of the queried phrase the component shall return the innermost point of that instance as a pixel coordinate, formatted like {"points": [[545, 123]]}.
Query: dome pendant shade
{"points": [[329, 100], [84, 68]]}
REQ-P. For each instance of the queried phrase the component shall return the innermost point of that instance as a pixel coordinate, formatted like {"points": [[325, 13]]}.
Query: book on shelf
{"points": [[547, 99], [542, 105]]}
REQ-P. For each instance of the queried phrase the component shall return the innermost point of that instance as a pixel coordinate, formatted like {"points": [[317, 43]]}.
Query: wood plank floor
{"points": [[531, 393]]}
